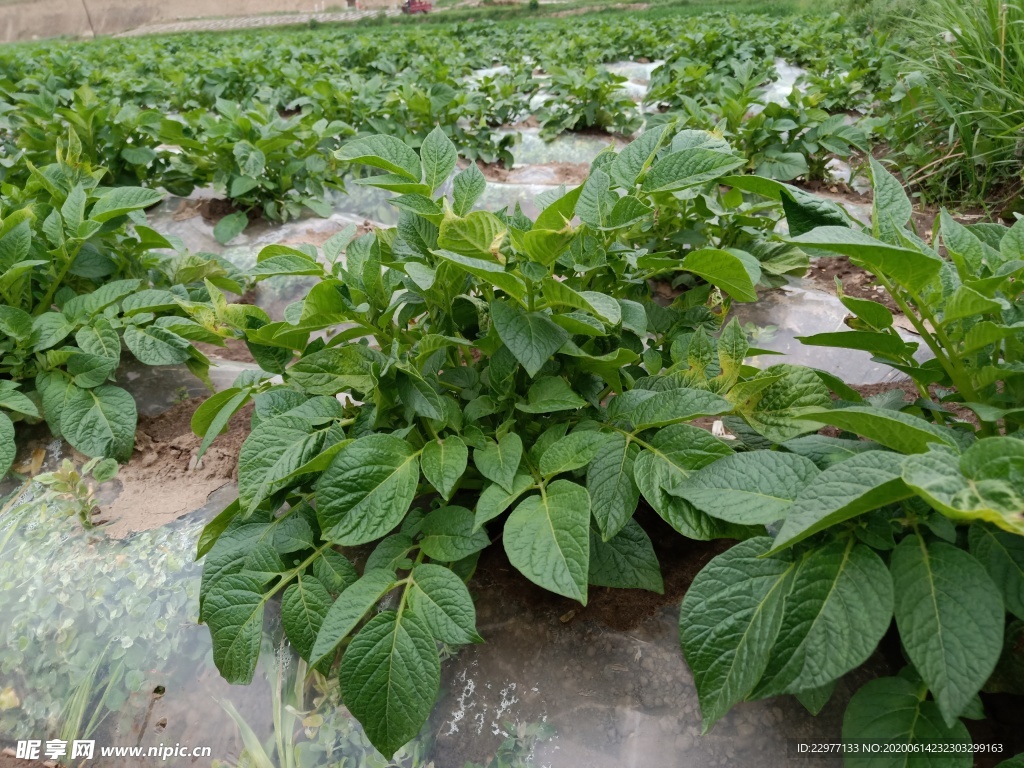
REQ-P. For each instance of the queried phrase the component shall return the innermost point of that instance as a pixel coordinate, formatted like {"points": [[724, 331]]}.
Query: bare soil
{"points": [[565, 173], [618, 609], [233, 350], [857, 282], [164, 480], [10, 761]]}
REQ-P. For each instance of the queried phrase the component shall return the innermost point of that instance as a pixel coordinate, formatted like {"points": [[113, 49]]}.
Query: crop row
{"points": [[258, 118]]}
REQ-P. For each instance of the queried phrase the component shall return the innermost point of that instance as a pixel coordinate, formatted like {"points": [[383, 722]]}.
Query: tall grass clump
{"points": [[963, 105]]}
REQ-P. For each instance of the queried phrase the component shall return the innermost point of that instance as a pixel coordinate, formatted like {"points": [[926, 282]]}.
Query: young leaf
{"points": [[367, 489], [438, 156], [499, 461], [530, 336], [546, 539], [442, 600], [390, 675], [950, 618], [443, 462], [729, 621]]}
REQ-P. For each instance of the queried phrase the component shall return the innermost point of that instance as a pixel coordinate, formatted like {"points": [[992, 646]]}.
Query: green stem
{"points": [[47, 302]]}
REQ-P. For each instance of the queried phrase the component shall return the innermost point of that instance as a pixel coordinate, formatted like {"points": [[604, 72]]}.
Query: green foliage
{"points": [[516, 365], [80, 274], [919, 520], [958, 104]]}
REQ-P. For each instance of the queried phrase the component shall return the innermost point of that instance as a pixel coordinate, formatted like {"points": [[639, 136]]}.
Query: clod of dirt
{"points": [[543, 173], [165, 479]]}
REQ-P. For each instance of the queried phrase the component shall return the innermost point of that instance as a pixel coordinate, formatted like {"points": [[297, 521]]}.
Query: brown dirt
{"points": [[212, 209], [10, 761], [234, 350], [589, 9], [318, 237], [565, 173], [618, 609], [857, 282], [163, 481]]}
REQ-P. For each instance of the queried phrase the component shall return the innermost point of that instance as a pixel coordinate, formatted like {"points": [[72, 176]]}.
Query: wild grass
{"points": [[971, 56]]}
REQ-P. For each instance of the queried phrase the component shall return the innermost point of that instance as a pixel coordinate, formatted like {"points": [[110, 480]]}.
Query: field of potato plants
{"points": [[642, 387]]}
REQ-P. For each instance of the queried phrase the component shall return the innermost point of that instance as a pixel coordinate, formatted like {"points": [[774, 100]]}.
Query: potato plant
{"points": [[912, 513], [81, 274], [484, 375]]}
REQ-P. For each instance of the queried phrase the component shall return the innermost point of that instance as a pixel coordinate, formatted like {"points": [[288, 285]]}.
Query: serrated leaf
{"points": [[546, 539]]}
